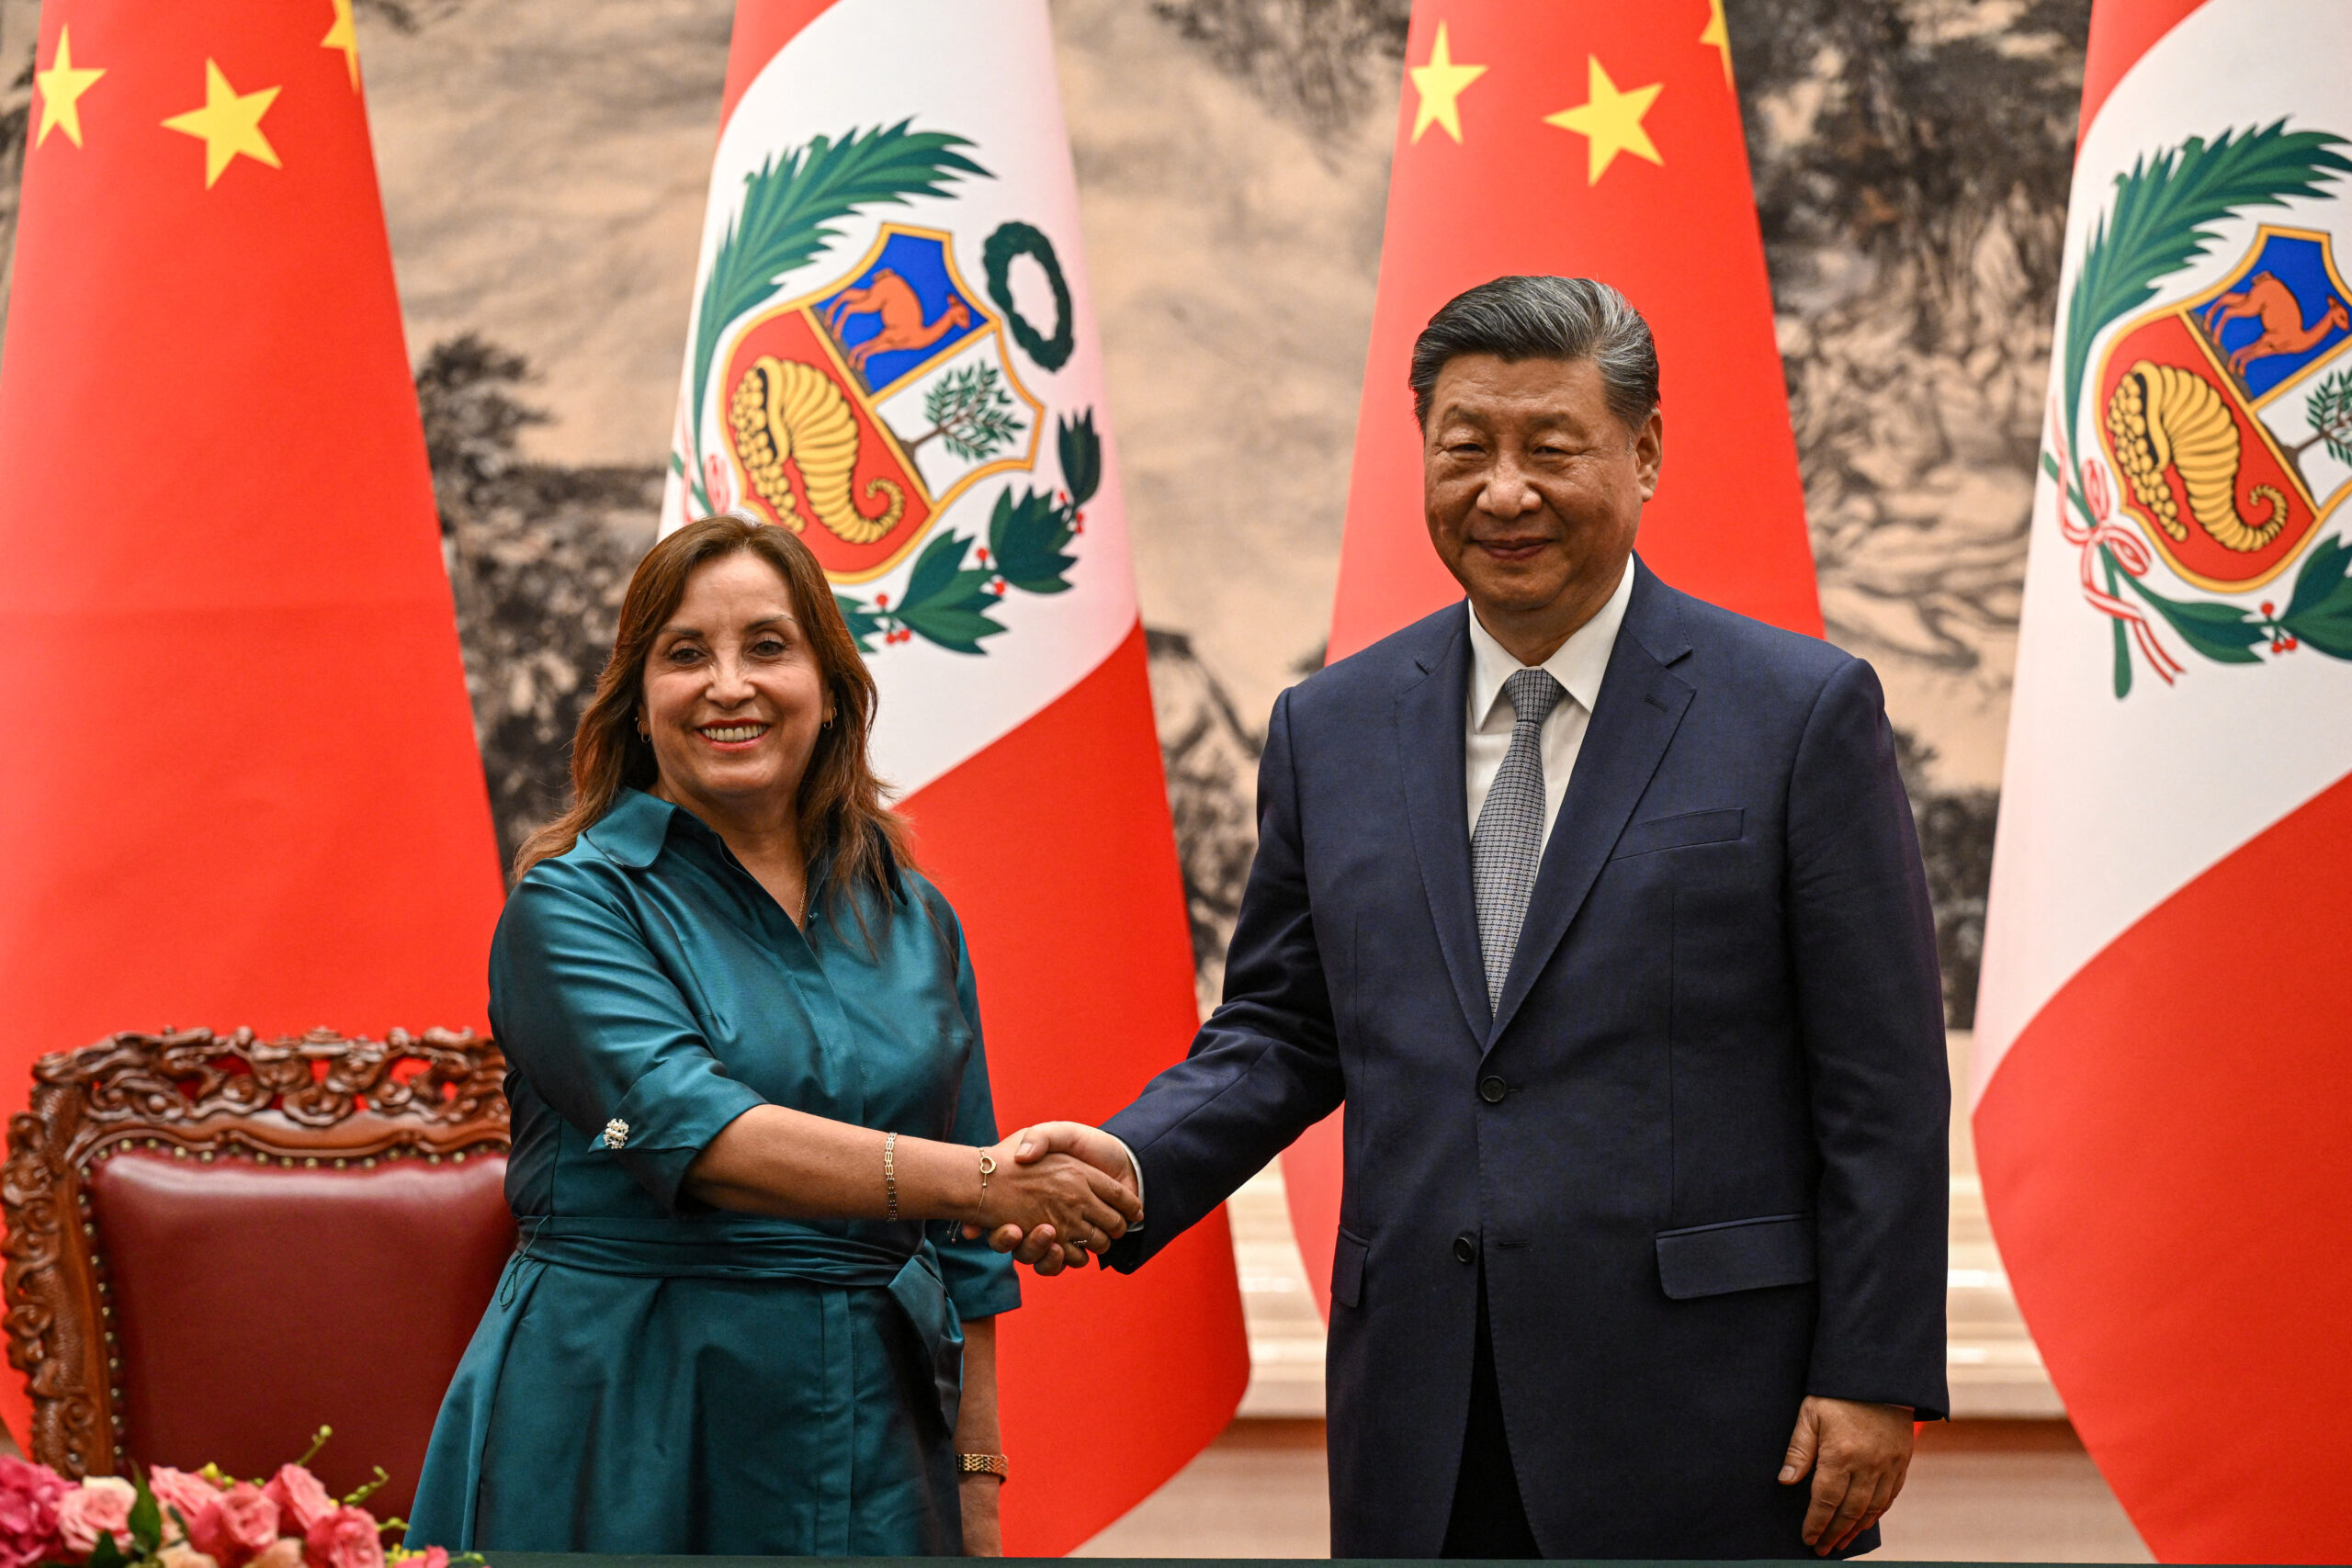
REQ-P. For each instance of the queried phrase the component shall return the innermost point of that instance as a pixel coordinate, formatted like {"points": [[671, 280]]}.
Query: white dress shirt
{"points": [[1578, 664]]}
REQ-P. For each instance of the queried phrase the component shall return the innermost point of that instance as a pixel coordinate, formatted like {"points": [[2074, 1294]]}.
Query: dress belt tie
{"points": [[691, 1249]]}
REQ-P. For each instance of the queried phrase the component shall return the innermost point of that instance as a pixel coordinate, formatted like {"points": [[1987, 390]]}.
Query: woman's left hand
{"points": [[983, 1535]]}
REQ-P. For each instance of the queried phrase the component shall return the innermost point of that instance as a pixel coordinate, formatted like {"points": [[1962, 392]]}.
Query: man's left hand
{"points": [[1858, 1455]]}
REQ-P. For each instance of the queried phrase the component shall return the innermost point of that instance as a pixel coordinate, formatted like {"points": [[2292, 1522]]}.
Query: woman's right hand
{"points": [[1084, 1206]]}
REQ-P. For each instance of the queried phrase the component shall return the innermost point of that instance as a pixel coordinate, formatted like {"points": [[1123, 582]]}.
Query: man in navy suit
{"points": [[1603, 909]]}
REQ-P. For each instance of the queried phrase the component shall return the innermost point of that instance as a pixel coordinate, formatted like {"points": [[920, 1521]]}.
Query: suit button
{"points": [[1465, 1249], [1493, 1090]]}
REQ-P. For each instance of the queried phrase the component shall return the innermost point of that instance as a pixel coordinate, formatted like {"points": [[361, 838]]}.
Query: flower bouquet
{"points": [[171, 1519]]}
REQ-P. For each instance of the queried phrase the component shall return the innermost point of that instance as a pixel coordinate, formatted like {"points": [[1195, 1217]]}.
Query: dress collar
{"points": [[1578, 664], [633, 832]]}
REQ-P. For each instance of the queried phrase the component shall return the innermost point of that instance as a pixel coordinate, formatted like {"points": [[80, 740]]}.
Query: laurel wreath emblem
{"points": [[2165, 215], [792, 208]]}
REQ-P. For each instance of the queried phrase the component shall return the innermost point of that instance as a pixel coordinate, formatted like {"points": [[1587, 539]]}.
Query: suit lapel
{"points": [[1430, 731], [1633, 719]]}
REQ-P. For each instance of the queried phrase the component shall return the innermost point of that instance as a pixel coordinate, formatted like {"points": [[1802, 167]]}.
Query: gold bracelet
{"points": [[988, 1169], [891, 1173], [980, 1464]]}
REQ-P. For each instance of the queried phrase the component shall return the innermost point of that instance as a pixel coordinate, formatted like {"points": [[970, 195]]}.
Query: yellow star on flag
{"points": [[228, 124], [1717, 34], [345, 37], [62, 87], [1440, 84], [1612, 120]]}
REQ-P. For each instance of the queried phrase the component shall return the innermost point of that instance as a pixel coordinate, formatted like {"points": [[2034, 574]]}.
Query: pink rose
{"points": [[180, 1555], [28, 1498], [101, 1506], [179, 1493], [301, 1501], [346, 1539], [237, 1524], [285, 1553]]}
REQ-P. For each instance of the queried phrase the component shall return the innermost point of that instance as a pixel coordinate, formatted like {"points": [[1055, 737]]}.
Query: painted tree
{"points": [[2329, 409], [969, 409]]}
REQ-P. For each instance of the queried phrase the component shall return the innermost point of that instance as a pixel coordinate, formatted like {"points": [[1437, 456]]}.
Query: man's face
{"points": [[1533, 488]]}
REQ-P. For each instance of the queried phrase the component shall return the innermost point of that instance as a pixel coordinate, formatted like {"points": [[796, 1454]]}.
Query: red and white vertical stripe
{"points": [[2163, 1097]]}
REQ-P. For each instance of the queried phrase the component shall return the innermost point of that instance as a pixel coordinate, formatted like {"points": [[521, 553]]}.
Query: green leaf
{"points": [[791, 210], [957, 630], [2219, 631], [967, 590], [146, 1519], [860, 618], [1082, 454], [2320, 612], [1025, 538], [2163, 217], [935, 570], [2321, 576], [106, 1553], [2122, 640]]}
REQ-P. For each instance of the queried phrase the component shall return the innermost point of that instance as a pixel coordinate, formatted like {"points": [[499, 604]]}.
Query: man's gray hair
{"points": [[1544, 317]]}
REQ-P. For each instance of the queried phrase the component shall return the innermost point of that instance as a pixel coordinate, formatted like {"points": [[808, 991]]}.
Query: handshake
{"points": [[1058, 1191]]}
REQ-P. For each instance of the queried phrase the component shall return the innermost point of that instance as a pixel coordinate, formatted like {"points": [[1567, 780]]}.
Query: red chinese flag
{"points": [[240, 784], [1582, 138]]}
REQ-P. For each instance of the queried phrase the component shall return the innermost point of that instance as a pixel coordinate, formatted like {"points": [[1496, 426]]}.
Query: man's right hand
{"points": [[1040, 1247]]}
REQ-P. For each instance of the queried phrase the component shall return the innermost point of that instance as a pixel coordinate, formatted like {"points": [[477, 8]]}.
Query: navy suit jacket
{"points": [[1698, 1150]]}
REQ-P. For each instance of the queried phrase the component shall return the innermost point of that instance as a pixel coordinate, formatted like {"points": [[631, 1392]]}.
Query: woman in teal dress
{"points": [[751, 1123]]}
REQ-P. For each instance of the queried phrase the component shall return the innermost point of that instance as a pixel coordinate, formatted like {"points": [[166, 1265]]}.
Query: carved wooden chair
{"points": [[218, 1243]]}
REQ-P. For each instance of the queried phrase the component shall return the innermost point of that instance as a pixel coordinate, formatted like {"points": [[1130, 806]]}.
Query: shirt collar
{"points": [[634, 830], [1578, 664]]}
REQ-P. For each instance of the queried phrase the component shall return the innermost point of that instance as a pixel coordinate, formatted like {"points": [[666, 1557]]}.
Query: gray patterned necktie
{"points": [[1507, 845]]}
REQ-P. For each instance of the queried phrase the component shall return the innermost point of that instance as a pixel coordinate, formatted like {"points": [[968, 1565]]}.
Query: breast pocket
{"points": [[1681, 832]]}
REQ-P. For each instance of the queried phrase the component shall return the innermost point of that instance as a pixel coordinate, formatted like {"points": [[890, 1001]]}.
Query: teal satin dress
{"points": [[656, 1376]]}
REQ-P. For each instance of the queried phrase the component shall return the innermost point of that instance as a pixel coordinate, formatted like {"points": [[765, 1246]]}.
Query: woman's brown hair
{"points": [[844, 820]]}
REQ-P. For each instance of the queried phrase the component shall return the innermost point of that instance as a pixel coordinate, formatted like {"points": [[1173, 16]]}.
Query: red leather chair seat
{"points": [[254, 1302]]}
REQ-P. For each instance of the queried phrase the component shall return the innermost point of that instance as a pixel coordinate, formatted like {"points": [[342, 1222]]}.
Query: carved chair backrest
{"points": [[283, 1222]]}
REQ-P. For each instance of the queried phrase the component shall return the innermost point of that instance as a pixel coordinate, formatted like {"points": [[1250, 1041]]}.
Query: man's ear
{"points": [[1649, 452]]}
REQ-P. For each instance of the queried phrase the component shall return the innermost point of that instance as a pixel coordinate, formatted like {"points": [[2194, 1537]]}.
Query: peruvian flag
{"points": [[892, 354], [239, 785], [2162, 1100], [1580, 137]]}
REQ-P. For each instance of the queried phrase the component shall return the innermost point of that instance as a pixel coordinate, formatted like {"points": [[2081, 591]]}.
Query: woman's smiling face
{"points": [[734, 694]]}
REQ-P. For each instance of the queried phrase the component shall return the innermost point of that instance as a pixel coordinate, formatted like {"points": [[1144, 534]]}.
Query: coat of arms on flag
{"points": [[2222, 416], [857, 413]]}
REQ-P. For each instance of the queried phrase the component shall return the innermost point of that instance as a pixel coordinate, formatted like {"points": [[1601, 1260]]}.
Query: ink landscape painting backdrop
{"points": [[545, 165], [545, 168]]}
